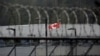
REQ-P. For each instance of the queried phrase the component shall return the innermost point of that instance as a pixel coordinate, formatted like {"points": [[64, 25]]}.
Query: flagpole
{"points": [[46, 36]]}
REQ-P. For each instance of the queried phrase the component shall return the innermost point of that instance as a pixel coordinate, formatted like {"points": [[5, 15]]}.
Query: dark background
{"points": [[11, 19]]}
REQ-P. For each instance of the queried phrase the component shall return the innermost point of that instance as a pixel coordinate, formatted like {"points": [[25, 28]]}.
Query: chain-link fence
{"points": [[28, 20]]}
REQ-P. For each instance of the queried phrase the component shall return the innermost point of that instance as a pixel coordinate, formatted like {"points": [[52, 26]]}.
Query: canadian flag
{"points": [[54, 25]]}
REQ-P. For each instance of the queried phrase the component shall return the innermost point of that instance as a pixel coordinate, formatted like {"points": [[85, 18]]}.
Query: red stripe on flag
{"points": [[54, 25]]}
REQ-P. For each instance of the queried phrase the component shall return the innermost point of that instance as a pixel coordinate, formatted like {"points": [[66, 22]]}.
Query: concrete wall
{"points": [[38, 30]]}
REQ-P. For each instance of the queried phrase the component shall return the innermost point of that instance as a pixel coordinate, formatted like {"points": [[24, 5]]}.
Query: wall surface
{"points": [[39, 30]]}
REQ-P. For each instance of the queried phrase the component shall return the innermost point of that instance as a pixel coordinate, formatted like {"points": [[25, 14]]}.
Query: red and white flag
{"points": [[54, 26]]}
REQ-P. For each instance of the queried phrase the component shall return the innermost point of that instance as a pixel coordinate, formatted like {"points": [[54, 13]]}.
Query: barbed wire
{"points": [[45, 10]]}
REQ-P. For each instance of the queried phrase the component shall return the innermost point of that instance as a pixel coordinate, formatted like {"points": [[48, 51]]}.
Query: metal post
{"points": [[11, 50], [15, 41], [46, 36], [91, 46], [73, 29], [53, 50], [71, 43], [14, 36], [33, 50]]}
